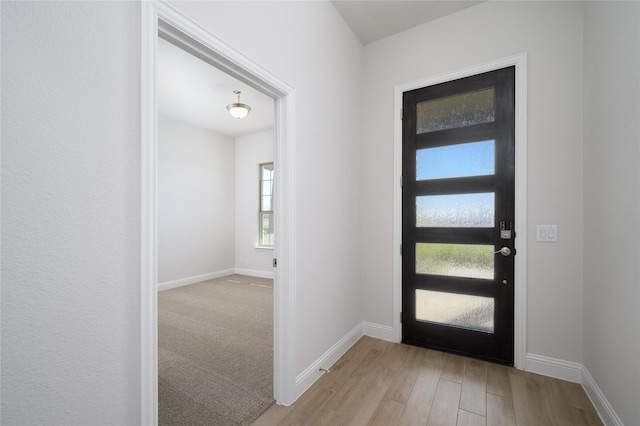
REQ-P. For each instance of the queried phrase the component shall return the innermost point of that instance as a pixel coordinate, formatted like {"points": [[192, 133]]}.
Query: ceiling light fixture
{"points": [[238, 110]]}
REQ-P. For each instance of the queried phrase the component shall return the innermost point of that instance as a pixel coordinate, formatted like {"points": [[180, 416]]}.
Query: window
{"points": [[265, 221]]}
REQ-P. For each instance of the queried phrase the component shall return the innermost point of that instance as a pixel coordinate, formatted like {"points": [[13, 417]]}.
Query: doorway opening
{"points": [[215, 251], [159, 18]]}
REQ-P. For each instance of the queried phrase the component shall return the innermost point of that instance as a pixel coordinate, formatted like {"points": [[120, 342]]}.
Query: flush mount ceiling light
{"points": [[238, 110]]}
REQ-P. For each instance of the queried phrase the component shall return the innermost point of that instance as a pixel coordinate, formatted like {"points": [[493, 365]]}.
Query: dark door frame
{"points": [[497, 345], [520, 302]]}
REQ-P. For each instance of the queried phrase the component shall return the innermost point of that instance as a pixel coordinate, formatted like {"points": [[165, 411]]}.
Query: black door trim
{"points": [[520, 61], [499, 344]]}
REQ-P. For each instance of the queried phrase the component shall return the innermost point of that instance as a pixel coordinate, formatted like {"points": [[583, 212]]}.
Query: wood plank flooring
{"points": [[383, 383]]}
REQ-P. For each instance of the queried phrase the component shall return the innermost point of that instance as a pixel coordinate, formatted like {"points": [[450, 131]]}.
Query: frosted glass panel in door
{"points": [[461, 110], [456, 210], [467, 159], [457, 260], [458, 310]]}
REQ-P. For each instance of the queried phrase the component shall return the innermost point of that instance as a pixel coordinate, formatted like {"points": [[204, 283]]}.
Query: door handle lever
{"points": [[505, 251]]}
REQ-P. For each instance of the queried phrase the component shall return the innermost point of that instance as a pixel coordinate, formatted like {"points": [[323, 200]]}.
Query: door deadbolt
{"points": [[505, 232]]}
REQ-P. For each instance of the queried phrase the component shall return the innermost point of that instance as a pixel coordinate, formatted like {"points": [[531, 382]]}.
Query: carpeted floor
{"points": [[215, 352]]}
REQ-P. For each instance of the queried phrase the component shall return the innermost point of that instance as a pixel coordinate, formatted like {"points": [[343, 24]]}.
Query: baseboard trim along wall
{"points": [[576, 373], [552, 367], [378, 331], [309, 376], [211, 275], [194, 279], [254, 273], [599, 401]]}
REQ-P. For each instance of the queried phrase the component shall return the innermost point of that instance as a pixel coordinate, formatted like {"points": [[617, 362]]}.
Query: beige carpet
{"points": [[215, 352]]}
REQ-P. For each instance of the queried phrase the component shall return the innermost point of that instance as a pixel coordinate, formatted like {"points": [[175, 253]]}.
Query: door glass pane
{"points": [[461, 110], [456, 211], [458, 260], [467, 159], [458, 310]]}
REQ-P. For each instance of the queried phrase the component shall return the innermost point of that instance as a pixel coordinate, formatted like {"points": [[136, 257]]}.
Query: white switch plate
{"points": [[547, 233]]}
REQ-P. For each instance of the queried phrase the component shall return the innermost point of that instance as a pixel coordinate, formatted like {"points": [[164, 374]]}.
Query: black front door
{"points": [[458, 216]]}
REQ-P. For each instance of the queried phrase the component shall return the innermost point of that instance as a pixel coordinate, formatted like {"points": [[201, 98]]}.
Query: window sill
{"points": [[264, 248]]}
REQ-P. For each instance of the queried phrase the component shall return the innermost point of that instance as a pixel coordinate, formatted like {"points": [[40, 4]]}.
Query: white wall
{"points": [[250, 151], [208, 203], [70, 213], [196, 202], [612, 203], [551, 34]]}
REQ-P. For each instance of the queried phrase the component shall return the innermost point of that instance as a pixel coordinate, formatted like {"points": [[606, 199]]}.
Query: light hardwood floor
{"points": [[382, 383]]}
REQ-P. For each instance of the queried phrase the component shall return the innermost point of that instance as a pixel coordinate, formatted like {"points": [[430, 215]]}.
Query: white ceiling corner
{"points": [[373, 20]]}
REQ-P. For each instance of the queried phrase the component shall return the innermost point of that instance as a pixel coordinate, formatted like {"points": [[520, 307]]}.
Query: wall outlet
{"points": [[547, 233]]}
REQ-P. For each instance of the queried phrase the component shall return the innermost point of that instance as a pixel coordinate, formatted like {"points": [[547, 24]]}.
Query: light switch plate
{"points": [[547, 233]]}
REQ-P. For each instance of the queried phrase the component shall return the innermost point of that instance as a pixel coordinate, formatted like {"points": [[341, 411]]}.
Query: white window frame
{"points": [[262, 211]]}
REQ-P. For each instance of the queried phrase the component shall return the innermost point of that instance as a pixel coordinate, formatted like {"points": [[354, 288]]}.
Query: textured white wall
{"points": [[612, 203], [196, 201], [551, 33], [310, 47], [251, 151], [70, 213]]}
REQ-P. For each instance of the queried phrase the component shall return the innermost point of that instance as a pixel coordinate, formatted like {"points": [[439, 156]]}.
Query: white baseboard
{"points": [[552, 367], [577, 373], [254, 273], [309, 376], [211, 275], [194, 279], [602, 406], [378, 331]]}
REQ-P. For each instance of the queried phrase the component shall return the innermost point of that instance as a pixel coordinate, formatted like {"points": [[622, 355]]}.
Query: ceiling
{"points": [[197, 93], [374, 20]]}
